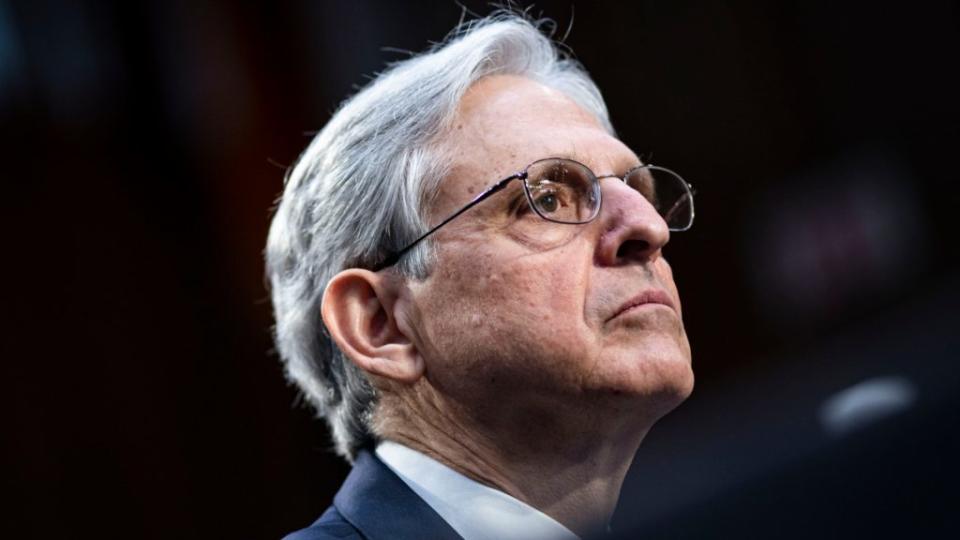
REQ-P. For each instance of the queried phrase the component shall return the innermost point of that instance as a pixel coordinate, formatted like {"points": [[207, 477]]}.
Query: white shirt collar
{"points": [[475, 511]]}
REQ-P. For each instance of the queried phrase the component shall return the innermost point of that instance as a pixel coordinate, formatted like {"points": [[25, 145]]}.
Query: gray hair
{"points": [[359, 190]]}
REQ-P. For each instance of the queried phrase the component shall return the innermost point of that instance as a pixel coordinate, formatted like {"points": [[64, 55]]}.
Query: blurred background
{"points": [[145, 142]]}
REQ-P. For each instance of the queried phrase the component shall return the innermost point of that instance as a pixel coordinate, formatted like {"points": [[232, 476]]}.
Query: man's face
{"points": [[529, 313]]}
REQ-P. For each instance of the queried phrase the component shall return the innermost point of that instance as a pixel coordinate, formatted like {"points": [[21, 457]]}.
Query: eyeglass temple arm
{"points": [[392, 259]]}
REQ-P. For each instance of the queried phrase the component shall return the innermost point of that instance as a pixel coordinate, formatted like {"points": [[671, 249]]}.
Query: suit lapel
{"points": [[378, 503]]}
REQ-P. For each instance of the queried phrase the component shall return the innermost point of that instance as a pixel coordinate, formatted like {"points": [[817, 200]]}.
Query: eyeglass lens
{"points": [[566, 191], [563, 191], [667, 192]]}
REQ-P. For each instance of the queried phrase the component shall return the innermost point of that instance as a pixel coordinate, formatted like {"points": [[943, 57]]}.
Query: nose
{"points": [[631, 229]]}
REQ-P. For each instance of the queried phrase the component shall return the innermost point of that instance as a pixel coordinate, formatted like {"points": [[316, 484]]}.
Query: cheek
{"points": [[486, 316], [524, 289], [544, 292]]}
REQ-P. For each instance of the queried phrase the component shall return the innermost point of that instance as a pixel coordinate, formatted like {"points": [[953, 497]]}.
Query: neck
{"points": [[571, 467]]}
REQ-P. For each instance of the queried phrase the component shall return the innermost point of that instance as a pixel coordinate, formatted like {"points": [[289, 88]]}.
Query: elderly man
{"points": [[469, 285]]}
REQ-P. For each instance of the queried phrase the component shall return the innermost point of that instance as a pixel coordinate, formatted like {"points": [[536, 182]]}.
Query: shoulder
{"points": [[330, 525], [374, 503]]}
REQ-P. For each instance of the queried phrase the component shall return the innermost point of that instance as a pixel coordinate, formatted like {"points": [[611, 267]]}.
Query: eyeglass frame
{"points": [[523, 174]]}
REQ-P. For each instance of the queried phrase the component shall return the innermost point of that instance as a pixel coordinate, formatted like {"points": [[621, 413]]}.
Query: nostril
{"points": [[633, 249]]}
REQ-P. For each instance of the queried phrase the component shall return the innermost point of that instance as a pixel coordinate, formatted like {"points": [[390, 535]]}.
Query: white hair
{"points": [[359, 191]]}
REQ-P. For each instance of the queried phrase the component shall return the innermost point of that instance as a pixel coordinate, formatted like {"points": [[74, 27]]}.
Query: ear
{"points": [[357, 309]]}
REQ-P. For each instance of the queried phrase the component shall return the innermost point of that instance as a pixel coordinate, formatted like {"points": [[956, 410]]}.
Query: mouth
{"points": [[650, 297]]}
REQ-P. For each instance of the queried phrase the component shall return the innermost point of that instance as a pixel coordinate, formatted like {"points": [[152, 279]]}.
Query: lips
{"points": [[650, 296]]}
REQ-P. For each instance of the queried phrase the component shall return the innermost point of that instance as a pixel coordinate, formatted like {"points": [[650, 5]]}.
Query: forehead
{"points": [[506, 122]]}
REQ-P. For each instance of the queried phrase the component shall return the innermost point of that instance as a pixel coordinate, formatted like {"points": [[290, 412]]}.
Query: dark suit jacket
{"points": [[375, 504]]}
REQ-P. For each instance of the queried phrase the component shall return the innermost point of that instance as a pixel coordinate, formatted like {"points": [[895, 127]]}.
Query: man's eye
{"points": [[548, 202]]}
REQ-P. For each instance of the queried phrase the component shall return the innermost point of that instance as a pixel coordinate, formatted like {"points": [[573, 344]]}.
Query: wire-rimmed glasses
{"points": [[565, 191]]}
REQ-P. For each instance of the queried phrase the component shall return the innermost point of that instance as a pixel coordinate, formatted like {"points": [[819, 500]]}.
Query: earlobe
{"points": [[357, 310]]}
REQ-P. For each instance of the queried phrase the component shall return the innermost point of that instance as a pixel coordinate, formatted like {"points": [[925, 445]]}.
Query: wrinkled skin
{"points": [[533, 381], [509, 316]]}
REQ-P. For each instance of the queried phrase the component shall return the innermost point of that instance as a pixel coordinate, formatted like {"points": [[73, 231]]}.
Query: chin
{"points": [[656, 382], [674, 390]]}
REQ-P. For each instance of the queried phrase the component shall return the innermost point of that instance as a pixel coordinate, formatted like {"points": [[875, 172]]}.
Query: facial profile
{"points": [[533, 312]]}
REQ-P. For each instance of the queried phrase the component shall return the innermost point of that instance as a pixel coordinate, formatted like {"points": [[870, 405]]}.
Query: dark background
{"points": [[144, 143]]}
